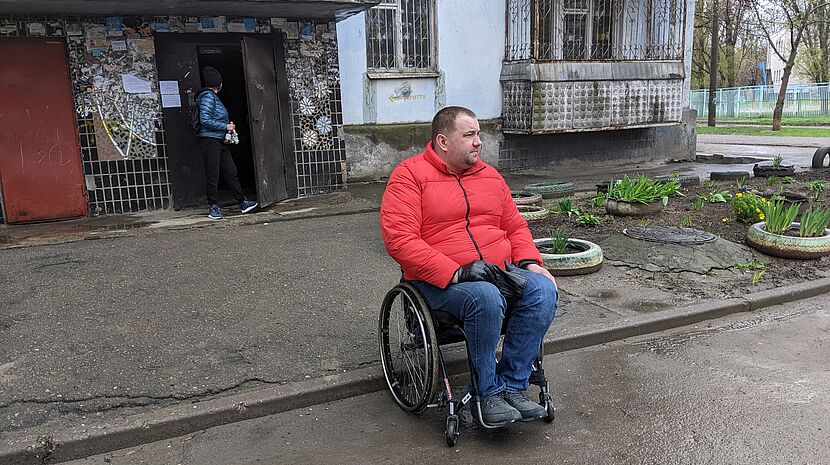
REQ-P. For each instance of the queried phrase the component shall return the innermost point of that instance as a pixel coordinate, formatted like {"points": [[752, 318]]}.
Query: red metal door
{"points": [[40, 163]]}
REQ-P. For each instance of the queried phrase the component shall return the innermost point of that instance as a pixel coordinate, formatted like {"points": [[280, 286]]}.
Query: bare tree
{"points": [[814, 61], [793, 17]]}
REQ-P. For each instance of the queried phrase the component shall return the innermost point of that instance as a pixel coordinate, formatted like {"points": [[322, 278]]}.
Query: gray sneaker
{"points": [[496, 412], [527, 408]]}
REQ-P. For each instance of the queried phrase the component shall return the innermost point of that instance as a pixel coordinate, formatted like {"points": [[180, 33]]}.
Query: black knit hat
{"points": [[212, 77]]}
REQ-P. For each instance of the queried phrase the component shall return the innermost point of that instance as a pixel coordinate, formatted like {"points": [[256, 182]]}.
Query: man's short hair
{"points": [[444, 120]]}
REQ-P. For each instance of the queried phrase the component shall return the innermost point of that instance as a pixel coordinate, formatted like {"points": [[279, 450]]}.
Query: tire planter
{"points": [[551, 189], [729, 175], [587, 260], [765, 171], [684, 179], [782, 246], [526, 198], [604, 185], [532, 212], [619, 208], [820, 155]]}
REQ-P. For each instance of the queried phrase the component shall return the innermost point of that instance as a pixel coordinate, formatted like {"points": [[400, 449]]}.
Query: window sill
{"points": [[402, 74]]}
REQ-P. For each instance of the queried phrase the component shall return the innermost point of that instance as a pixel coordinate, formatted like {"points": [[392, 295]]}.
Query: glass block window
{"points": [[400, 36]]}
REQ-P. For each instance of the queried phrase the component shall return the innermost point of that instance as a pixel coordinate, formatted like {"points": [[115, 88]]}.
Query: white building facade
{"points": [[538, 73]]}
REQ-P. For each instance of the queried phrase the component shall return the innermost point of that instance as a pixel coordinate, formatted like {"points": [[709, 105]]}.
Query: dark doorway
{"points": [[227, 59], [254, 77]]}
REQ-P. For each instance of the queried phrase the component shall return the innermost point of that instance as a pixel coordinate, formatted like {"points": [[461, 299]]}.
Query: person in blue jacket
{"points": [[215, 125]]}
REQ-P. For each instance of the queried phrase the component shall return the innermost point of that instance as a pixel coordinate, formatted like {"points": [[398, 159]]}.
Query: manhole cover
{"points": [[670, 235]]}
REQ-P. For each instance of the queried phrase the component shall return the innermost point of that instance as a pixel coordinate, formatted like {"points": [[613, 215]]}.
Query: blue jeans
{"points": [[482, 309]]}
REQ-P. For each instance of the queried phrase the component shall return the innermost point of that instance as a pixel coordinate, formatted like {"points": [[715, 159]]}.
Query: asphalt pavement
{"points": [[712, 393], [124, 330]]}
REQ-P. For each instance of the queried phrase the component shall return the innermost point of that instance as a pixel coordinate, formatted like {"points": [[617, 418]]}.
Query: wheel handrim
{"points": [[409, 366]]}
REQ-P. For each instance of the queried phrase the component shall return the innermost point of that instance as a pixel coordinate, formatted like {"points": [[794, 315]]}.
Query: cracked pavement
{"points": [[95, 329]]}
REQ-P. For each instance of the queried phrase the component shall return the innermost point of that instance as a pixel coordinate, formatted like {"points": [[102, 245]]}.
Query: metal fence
{"points": [[576, 30], [802, 100]]}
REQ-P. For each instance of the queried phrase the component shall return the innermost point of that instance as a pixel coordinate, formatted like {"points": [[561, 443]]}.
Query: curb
{"points": [[774, 144], [169, 422], [229, 222]]}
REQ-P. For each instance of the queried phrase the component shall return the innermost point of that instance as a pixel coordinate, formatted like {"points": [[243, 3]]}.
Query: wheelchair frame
{"points": [[417, 332]]}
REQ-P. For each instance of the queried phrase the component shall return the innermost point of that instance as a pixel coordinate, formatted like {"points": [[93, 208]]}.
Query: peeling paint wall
{"points": [[373, 151]]}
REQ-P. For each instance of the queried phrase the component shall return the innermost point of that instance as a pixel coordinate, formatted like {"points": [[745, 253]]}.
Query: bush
{"points": [[749, 208]]}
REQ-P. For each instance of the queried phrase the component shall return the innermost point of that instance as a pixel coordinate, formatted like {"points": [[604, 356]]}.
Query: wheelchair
{"points": [[410, 335]]}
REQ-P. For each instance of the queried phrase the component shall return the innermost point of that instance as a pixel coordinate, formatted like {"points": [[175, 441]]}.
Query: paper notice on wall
{"points": [[171, 101], [135, 84], [292, 31], [143, 46], [114, 27], [169, 87], [118, 45], [36, 29], [94, 31], [279, 23], [236, 27]]}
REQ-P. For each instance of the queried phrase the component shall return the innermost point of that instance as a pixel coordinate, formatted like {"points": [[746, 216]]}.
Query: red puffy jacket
{"points": [[433, 221]]}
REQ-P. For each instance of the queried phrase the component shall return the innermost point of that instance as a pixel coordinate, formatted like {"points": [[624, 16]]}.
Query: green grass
{"points": [[786, 121], [763, 131]]}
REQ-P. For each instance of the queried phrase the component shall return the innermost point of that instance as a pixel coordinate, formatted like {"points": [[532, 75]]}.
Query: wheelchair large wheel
{"points": [[408, 348]]}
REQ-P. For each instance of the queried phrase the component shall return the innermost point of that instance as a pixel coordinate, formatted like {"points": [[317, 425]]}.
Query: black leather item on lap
{"points": [[511, 284]]}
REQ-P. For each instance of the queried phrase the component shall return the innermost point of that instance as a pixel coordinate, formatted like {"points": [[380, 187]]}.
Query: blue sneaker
{"points": [[214, 213], [247, 205]]}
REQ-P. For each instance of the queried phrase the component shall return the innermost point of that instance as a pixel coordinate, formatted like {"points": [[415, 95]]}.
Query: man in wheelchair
{"points": [[449, 220]]}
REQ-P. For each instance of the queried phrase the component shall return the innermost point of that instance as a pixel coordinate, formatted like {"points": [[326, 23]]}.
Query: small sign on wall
{"points": [[405, 100]]}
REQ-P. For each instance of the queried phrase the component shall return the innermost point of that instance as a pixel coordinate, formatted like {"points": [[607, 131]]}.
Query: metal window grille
{"points": [[399, 35], [576, 30]]}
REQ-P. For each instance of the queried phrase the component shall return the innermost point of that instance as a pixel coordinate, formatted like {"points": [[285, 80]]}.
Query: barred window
{"points": [[399, 36], [575, 30]]}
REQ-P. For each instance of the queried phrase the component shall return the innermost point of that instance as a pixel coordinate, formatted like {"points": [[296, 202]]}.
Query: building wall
{"points": [[775, 65], [631, 145], [469, 50], [377, 113], [647, 93], [118, 101]]}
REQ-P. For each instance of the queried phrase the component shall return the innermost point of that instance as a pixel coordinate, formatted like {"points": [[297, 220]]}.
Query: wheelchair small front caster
{"points": [[547, 402], [452, 430]]}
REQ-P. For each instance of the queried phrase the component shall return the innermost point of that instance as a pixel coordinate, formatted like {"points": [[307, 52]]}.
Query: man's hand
{"points": [[542, 271], [474, 271], [231, 126]]}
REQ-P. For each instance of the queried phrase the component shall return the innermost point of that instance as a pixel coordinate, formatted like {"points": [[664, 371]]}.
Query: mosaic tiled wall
{"points": [[316, 108], [589, 105], [112, 66], [112, 63]]}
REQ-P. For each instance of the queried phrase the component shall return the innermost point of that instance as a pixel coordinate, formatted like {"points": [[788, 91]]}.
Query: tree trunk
{"points": [[713, 67], [782, 93]]}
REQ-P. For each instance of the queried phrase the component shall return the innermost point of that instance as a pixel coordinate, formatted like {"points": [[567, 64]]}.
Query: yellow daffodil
{"points": [[725, 219], [739, 194], [761, 216]]}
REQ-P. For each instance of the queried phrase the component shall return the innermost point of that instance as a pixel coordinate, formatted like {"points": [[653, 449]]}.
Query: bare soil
{"points": [[716, 218]]}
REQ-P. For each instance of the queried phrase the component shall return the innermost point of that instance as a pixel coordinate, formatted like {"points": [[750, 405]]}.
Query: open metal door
{"points": [[263, 108]]}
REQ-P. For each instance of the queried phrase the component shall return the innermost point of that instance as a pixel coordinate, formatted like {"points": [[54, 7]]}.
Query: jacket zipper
{"points": [[467, 217]]}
